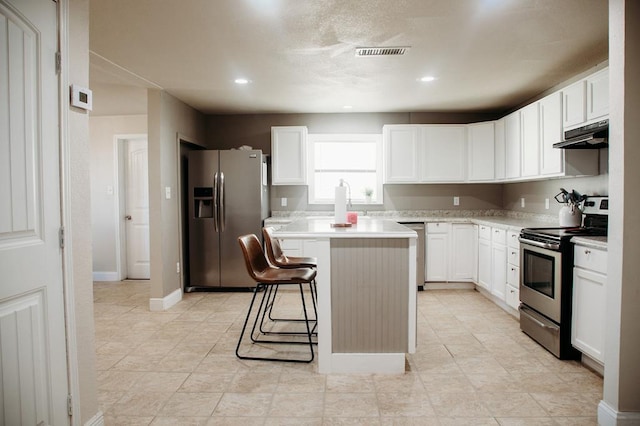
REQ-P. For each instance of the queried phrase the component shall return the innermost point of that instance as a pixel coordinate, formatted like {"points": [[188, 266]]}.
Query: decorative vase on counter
{"points": [[570, 215]]}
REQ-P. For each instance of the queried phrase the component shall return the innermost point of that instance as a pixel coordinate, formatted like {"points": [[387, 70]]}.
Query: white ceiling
{"points": [[486, 55]]}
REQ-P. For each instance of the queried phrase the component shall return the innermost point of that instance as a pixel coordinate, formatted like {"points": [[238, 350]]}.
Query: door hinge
{"points": [[69, 405], [58, 62], [61, 237]]}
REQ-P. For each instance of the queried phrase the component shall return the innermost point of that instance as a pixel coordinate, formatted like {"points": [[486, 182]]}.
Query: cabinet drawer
{"points": [[291, 247], [590, 258], [513, 276], [512, 297], [498, 236], [437, 228], [513, 256], [512, 239], [484, 232]]}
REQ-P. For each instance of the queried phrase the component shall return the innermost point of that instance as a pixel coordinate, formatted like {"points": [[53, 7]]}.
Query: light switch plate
{"points": [[167, 192], [522, 202], [81, 97], [283, 202], [546, 203], [456, 201]]}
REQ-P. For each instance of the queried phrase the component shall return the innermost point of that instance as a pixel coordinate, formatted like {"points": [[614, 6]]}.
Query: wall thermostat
{"points": [[81, 97]]}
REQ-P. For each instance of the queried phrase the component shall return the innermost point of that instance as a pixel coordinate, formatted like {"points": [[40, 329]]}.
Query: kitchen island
{"points": [[366, 292]]}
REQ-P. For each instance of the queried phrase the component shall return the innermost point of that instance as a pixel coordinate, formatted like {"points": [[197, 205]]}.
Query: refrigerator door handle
{"points": [[215, 203], [223, 212]]}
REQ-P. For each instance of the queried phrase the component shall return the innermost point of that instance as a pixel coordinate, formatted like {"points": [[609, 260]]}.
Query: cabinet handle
{"points": [[587, 251], [513, 252]]}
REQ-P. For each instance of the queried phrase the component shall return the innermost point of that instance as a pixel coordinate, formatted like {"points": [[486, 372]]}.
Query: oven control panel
{"points": [[596, 205]]}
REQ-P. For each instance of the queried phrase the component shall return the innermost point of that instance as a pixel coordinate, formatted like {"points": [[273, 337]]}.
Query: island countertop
{"points": [[365, 228]]}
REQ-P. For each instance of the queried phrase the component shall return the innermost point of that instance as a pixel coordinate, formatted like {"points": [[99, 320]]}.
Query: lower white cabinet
{"points": [[589, 298], [512, 295], [437, 252], [451, 252], [492, 260]]}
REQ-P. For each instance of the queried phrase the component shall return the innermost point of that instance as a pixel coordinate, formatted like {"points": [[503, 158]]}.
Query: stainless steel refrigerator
{"points": [[228, 197]]}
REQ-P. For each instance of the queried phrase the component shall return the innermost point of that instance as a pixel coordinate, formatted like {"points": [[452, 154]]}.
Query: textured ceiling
{"points": [[486, 55]]}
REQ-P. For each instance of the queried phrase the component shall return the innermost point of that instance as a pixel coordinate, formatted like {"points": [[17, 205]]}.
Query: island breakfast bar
{"points": [[366, 292]]}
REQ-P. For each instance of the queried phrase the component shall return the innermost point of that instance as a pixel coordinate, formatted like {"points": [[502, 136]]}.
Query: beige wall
{"points": [[80, 276], [102, 132], [535, 193], [622, 373], [167, 118]]}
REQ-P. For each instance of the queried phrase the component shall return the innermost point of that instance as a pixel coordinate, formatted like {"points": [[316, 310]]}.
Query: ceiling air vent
{"points": [[380, 51]]}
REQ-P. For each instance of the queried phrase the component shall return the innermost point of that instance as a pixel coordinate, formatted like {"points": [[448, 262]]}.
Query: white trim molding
{"points": [[106, 276], [608, 416], [164, 303], [96, 420]]}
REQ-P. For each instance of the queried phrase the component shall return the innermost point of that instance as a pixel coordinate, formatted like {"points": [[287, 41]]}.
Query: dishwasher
{"points": [[420, 251]]}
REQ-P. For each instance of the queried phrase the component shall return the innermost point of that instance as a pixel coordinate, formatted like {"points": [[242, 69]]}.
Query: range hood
{"points": [[591, 136]]}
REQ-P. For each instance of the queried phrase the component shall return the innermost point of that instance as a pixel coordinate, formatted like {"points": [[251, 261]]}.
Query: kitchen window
{"points": [[355, 158]]}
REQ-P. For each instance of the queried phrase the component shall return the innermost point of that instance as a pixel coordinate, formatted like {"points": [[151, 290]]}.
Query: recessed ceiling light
{"points": [[241, 81], [426, 78], [347, 107]]}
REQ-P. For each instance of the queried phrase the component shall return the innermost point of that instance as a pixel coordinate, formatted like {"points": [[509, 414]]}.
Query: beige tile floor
{"points": [[473, 366]]}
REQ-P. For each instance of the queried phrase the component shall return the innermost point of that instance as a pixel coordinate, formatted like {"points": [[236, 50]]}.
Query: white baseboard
{"points": [[97, 420], [105, 276], [449, 286], [607, 416], [162, 304]]}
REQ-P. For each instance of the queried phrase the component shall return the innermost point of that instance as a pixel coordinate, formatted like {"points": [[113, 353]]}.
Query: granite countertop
{"points": [[591, 242], [365, 228], [496, 218]]}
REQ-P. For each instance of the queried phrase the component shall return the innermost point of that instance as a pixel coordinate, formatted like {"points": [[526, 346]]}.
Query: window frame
{"points": [[356, 199]]}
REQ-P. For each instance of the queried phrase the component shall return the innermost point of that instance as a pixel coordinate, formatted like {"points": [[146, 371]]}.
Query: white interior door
{"points": [[137, 209], [33, 361]]}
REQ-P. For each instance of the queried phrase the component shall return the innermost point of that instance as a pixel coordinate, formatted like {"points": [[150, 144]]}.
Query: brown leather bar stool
{"points": [[267, 276], [277, 258]]}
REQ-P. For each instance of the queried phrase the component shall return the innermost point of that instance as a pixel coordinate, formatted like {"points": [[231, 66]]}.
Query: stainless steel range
{"points": [[546, 278]]}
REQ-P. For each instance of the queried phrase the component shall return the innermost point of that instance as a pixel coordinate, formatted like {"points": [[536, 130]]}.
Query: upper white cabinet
{"points": [[443, 153], [586, 100], [598, 95], [401, 154], [499, 150], [512, 135], [551, 159], [573, 104], [481, 159], [289, 155], [530, 128], [424, 153]]}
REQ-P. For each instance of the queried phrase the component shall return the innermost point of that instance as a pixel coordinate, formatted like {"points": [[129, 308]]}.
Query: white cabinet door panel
{"points": [[481, 143], [289, 155], [598, 95], [589, 313], [573, 104], [512, 145], [401, 153], [551, 159], [530, 127], [443, 153], [437, 253]]}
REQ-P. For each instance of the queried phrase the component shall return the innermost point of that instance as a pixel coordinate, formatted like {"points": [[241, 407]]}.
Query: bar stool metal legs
{"points": [[260, 317]]}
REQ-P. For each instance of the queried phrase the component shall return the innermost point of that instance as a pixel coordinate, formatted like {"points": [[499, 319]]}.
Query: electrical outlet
{"points": [[456, 201], [177, 267], [522, 202], [546, 203], [283, 202], [167, 192]]}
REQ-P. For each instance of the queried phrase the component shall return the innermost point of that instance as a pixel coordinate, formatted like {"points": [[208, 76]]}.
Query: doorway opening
{"points": [[132, 212]]}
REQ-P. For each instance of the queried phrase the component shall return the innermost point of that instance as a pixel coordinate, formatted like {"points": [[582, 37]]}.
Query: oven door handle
{"points": [[549, 246], [537, 321]]}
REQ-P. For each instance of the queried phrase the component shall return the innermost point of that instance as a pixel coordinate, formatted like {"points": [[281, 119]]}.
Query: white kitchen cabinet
{"points": [[484, 257], [451, 252], [574, 104], [463, 253], [551, 159], [437, 262], [598, 95], [512, 136], [401, 158], [443, 157], [586, 100], [530, 128], [512, 295], [498, 263], [499, 150], [289, 155], [480, 144], [589, 302]]}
